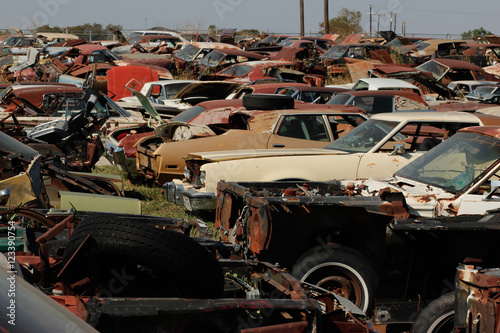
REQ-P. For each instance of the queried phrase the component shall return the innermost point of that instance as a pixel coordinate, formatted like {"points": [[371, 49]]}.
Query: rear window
{"points": [[189, 114]]}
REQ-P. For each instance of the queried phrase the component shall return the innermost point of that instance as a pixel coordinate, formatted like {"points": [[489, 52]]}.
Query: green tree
{"points": [[213, 30], [476, 32], [47, 28], [346, 22], [249, 32]]}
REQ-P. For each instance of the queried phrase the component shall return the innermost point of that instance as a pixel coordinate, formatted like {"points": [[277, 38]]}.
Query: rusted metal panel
{"points": [[359, 70], [381, 55], [477, 300], [297, 327], [352, 38]]}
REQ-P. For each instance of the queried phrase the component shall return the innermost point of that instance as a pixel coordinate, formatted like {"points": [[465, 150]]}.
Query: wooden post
{"points": [[302, 17], [327, 21]]}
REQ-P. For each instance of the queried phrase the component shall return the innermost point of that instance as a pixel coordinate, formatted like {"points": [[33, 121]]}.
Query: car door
{"points": [[301, 131]]}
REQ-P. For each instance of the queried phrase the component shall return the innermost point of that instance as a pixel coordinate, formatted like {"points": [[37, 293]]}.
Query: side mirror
{"points": [[398, 149], [4, 195]]}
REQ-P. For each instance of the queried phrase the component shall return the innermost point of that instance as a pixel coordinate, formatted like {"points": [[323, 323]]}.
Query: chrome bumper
{"points": [[173, 193], [194, 200], [190, 198]]}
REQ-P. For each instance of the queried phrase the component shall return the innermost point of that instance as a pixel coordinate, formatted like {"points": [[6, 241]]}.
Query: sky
{"points": [[446, 18]]}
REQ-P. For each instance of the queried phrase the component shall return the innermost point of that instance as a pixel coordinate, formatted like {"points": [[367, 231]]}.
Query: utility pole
{"points": [[371, 21], [378, 20], [327, 21], [395, 26], [301, 17], [403, 28], [390, 21]]}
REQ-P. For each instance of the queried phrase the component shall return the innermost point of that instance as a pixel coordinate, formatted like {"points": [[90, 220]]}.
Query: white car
{"points": [[171, 97], [375, 149], [156, 91]]}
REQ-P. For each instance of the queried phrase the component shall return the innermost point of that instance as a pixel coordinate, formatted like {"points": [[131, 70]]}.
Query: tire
{"points": [[267, 102], [342, 270], [437, 317], [135, 259]]}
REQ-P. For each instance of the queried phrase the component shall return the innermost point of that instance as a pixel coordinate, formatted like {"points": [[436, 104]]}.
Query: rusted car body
{"points": [[252, 71], [33, 92], [486, 94], [264, 88], [314, 95], [323, 43], [121, 143], [163, 160], [448, 70], [219, 59], [313, 50], [80, 60], [313, 228], [427, 49], [188, 52], [336, 54], [478, 54], [476, 307], [35, 174], [61, 106], [382, 100], [468, 240]]}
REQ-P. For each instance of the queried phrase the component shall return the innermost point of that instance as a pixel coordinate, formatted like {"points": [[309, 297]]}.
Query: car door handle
{"points": [[278, 145]]}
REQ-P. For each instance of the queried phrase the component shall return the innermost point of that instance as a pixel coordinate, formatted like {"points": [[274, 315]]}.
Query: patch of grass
{"points": [[151, 196]]}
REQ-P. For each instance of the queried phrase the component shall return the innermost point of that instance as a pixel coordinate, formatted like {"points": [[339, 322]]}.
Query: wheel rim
{"points": [[340, 285], [443, 324], [340, 279]]}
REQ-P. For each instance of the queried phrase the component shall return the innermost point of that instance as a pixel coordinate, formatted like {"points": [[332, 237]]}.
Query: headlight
{"points": [[187, 173], [202, 177]]}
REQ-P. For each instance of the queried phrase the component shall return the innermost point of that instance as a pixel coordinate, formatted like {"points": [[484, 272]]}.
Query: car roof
{"points": [[436, 116], [388, 82], [403, 93], [493, 131]]}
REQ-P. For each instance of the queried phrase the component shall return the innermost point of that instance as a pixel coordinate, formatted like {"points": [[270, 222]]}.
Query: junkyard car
{"points": [[337, 53], [336, 233], [426, 49], [191, 93], [467, 86], [315, 95], [377, 148], [448, 70], [305, 126], [486, 94], [116, 293], [385, 84], [121, 143], [382, 100], [252, 71], [156, 91]]}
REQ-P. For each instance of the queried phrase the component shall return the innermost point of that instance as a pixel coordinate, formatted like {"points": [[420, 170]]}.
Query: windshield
{"points": [[335, 52], [189, 114], [236, 70], [340, 99], [421, 46], [212, 59], [188, 52], [455, 163], [438, 70], [365, 136]]}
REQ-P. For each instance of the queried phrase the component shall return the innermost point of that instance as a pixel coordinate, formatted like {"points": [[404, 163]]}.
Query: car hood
{"points": [[211, 90], [218, 156], [181, 131]]}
